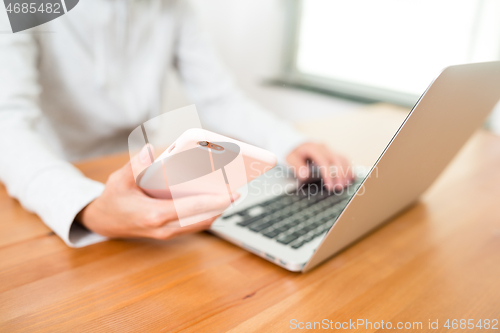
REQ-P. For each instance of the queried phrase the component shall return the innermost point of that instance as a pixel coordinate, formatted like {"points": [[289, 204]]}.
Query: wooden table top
{"points": [[439, 260]]}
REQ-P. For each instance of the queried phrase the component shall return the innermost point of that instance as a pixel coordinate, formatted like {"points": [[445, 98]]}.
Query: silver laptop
{"points": [[301, 226]]}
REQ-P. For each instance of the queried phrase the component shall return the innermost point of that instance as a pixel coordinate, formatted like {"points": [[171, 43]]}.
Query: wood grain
{"points": [[438, 260]]}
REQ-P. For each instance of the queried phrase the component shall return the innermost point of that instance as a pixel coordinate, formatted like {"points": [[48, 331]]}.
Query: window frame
{"points": [[291, 76]]}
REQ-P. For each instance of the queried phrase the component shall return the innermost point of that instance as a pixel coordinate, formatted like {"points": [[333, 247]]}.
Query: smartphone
{"points": [[204, 162]]}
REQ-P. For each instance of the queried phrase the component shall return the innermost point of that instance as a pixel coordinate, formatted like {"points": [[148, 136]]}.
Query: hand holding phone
{"points": [[201, 162]]}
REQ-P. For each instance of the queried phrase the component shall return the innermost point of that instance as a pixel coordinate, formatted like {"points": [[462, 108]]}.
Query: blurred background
{"points": [[307, 59]]}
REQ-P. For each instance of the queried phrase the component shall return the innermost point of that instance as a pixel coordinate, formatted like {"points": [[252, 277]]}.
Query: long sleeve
{"points": [[222, 107], [33, 173]]}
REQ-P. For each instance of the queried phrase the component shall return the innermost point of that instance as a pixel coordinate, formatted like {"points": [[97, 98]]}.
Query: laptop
{"points": [[301, 227]]}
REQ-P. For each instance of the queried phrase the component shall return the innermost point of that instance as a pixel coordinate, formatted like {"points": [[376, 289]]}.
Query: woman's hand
{"points": [[123, 210], [335, 170]]}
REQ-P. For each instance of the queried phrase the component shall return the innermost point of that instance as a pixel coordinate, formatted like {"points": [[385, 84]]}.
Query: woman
{"points": [[76, 86]]}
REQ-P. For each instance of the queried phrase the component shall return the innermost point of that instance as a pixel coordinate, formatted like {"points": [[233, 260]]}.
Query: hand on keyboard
{"points": [[334, 168]]}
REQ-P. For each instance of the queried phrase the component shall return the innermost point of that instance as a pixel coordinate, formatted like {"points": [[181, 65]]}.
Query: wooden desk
{"points": [[438, 261]]}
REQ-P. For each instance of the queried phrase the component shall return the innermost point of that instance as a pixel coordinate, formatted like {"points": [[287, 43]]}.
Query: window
{"points": [[387, 50]]}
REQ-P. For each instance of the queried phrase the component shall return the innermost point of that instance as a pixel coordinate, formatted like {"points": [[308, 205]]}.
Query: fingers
{"points": [[173, 229], [160, 218], [124, 210], [199, 204], [300, 164], [340, 172], [158, 213], [335, 170], [321, 159]]}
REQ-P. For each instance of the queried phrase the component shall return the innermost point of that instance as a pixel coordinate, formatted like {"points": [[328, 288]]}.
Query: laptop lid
{"points": [[443, 119]]}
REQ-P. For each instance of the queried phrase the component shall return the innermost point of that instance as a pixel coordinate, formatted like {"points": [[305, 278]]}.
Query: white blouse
{"points": [[75, 87]]}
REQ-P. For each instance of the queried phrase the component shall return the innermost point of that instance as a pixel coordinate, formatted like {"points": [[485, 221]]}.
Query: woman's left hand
{"points": [[335, 169]]}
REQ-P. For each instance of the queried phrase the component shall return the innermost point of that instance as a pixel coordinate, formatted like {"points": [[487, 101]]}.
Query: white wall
{"points": [[249, 38]]}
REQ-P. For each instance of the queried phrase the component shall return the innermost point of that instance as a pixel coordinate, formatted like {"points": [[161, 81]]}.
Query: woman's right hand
{"points": [[123, 210]]}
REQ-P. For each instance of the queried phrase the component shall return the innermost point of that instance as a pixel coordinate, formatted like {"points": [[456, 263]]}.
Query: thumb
{"points": [[139, 162]]}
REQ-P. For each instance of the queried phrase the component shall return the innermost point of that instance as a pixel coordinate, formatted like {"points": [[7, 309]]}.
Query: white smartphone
{"points": [[203, 162]]}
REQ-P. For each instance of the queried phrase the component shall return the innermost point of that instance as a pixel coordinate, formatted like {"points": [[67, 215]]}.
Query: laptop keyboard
{"points": [[294, 219]]}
